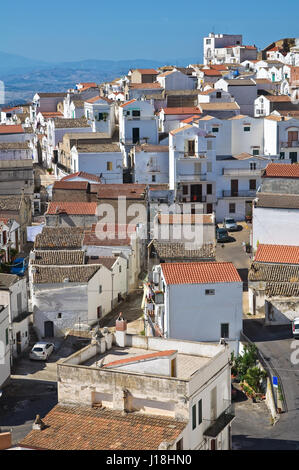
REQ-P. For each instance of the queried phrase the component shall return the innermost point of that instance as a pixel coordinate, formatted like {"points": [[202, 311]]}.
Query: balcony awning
{"points": [[220, 423]]}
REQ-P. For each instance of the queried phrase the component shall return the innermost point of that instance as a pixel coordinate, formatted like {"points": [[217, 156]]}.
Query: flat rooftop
{"points": [[186, 364]]}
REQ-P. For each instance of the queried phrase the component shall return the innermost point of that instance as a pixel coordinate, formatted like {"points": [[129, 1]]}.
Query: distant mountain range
{"points": [[24, 77]]}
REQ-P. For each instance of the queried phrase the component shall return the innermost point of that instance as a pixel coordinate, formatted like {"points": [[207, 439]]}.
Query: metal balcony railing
{"points": [[241, 172], [290, 144], [194, 177], [244, 193]]}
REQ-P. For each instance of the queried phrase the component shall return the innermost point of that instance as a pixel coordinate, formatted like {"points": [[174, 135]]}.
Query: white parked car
{"points": [[295, 327], [230, 224], [41, 351]]}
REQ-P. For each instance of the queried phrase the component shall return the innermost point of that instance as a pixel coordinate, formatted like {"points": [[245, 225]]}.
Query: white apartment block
{"points": [[227, 49]]}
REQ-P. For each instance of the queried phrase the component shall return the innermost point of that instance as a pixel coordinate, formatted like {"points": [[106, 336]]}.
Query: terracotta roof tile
{"points": [[147, 71], [71, 185], [58, 257], [61, 238], [72, 208], [127, 103], [11, 129], [95, 99], [58, 274], [82, 174], [199, 273], [142, 357], [285, 254], [146, 86], [169, 250], [281, 170], [129, 190], [184, 110], [86, 428]]}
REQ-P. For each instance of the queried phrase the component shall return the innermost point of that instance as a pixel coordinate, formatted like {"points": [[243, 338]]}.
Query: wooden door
{"points": [[19, 342], [292, 137], [234, 187], [135, 135]]}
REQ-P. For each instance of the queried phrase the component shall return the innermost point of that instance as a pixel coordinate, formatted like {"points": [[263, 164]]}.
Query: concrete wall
{"points": [[187, 304], [269, 226], [4, 347]]}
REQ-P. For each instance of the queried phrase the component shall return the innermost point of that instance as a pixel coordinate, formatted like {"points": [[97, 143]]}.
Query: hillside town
{"points": [[149, 258]]}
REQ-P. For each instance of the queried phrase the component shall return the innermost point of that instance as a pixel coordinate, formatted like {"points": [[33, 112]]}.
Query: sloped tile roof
{"points": [[58, 257], [72, 208], [129, 190], [58, 274], [71, 185], [285, 254], [199, 273], [86, 428], [7, 280], [184, 110], [82, 174], [168, 250], [281, 170], [67, 123], [11, 129], [280, 201], [273, 272], [60, 238]]}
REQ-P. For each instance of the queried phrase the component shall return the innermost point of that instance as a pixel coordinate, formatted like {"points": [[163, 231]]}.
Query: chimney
{"points": [[121, 331], [38, 424]]}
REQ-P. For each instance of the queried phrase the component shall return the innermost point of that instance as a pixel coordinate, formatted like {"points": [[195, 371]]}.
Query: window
{"points": [[209, 188], [109, 166], [215, 129], [200, 412], [136, 113], [253, 166], [208, 41], [99, 312], [100, 117], [252, 184], [191, 147], [119, 269], [246, 129], [185, 189], [193, 417], [100, 289], [282, 155], [210, 292], [224, 330], [153, 178], [218, 94], [59, 315], [232, 208], [179, 445], [255, 152]]}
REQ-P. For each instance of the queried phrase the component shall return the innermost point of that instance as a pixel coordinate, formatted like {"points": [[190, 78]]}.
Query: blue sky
{"points": [[64, 30]]}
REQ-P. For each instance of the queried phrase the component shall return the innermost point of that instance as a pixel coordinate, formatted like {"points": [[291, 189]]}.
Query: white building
{"points": [[276, 207], [176, 80], [13, 293], [197, 301], [56, 129], [65, 291], [163, 394], [226, 48], [244, 92], [271, 287], [102, 160], [100, 113], [264, 105], [150, 163], [4, 347], [192, 161], [138, 123]]}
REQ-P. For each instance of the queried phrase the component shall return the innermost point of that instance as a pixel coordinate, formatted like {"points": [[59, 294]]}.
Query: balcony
{"points": [[192, 156], [192, 178], [290, 144], [221, 422], [241, 172], [245, 193]]}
